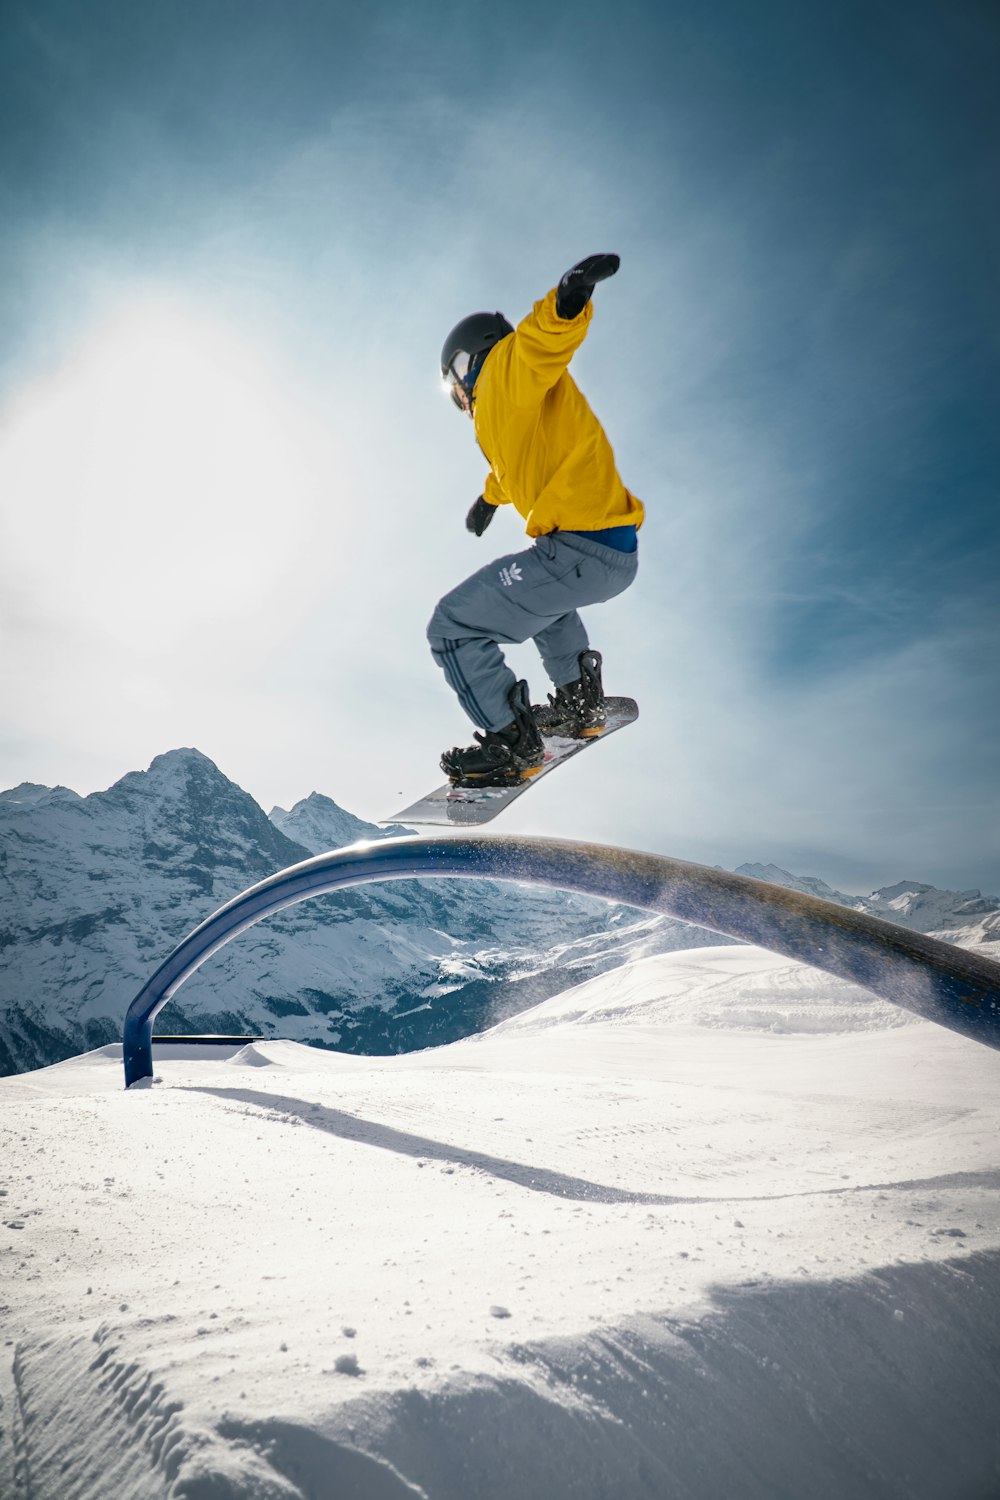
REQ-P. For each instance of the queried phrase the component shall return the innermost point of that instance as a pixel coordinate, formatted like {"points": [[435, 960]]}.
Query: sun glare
{"points": [[161, 475]]}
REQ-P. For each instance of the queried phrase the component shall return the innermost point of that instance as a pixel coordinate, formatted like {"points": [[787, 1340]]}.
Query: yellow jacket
{"points": [[548, 454]]}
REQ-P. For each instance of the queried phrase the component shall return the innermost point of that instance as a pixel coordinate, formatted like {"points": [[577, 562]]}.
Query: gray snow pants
{"points": [[532, 595]]}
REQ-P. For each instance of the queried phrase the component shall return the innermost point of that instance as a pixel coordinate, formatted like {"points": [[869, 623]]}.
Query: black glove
{"points": [[480, 516], [576, 287]]}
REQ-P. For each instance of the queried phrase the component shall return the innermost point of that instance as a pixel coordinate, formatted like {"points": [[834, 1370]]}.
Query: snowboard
{"points": [[470, 806]]}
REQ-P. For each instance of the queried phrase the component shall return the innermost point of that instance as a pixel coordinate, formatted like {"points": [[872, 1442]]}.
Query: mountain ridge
{"points": [[909, 903]]}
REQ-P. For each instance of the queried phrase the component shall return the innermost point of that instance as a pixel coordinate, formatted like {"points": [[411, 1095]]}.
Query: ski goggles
{"points": [[460, 366], [461, 377]]}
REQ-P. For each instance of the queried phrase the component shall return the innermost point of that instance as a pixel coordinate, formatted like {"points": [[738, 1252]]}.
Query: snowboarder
{"points": [[549, 457]]}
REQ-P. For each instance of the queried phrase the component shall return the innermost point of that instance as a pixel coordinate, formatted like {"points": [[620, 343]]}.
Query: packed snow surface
{"points": [[714, 1224]]}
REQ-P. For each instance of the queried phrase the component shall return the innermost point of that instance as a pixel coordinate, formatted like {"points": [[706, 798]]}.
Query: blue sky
{"points": [[233, 237]]}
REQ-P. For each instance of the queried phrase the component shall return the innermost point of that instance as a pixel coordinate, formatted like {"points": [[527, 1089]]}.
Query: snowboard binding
{"points": [[578, 710], [500, 757]]}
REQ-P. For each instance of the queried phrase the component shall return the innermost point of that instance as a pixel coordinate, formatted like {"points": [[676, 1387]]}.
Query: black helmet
{"points": [[465, 349]]}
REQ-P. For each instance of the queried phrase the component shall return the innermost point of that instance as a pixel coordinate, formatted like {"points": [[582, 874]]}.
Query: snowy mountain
{"points": [[95, 891], [965, 917], [318, 824]]}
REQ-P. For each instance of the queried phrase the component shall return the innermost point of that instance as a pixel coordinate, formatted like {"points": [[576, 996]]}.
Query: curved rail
{"points": [[939, 982]]}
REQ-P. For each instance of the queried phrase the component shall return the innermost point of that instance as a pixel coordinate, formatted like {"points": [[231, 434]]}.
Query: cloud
{"points": [[786, 378]]}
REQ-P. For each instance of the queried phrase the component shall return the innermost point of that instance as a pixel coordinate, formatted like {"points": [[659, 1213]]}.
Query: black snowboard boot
{"points": [[577, 711], [501, 757]]}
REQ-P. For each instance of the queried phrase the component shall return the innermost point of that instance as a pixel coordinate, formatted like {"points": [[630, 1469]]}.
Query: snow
{"points": [[711, 1224]]}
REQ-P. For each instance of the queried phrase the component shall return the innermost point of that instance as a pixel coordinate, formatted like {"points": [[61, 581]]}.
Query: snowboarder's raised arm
{"points": [[545, 341], [577, 286]]}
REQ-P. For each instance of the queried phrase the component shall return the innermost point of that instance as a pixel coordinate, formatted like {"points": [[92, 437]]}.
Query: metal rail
{"points": [[942, 983]]}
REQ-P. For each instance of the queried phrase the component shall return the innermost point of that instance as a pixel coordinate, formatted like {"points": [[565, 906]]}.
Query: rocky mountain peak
{"points": [[32, 793], [321, 824], [178, 775], [901, 888], [910, 903], [810, 885]]}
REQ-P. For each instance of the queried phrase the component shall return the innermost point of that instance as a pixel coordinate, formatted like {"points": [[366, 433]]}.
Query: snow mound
{"points": [[293, 1057], [251, 1056], [729, 988]]}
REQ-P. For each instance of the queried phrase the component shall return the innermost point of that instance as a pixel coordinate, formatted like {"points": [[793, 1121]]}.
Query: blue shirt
{"points": [[622, 538]]}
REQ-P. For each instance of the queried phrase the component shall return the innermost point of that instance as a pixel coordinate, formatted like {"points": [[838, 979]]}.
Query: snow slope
{"points": [[713, 1224]]}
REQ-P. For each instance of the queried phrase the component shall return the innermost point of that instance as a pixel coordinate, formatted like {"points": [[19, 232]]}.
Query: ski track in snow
{"points": [[712, 1224]]}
